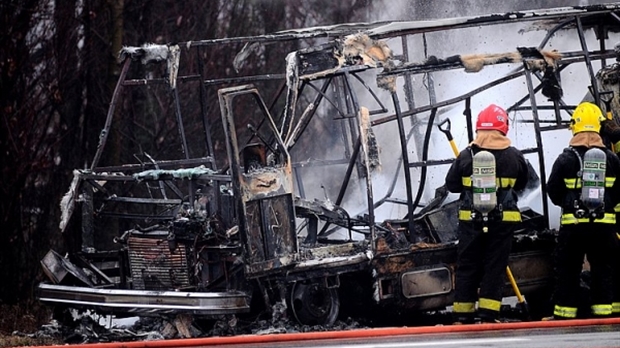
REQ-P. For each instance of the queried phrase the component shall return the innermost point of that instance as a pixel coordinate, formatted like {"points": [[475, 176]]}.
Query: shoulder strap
{"points": [[473, 149], [572, 149]]}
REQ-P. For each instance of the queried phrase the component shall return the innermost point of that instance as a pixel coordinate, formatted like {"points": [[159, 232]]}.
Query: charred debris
{"points": [[226, 233]]}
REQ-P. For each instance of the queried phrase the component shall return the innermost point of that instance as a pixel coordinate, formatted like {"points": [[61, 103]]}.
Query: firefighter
{"points": [[610, 131], [485, 230], [587, 193]]}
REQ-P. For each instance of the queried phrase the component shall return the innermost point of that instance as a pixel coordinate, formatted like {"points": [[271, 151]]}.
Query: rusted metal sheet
{"points": [[155, 266]]}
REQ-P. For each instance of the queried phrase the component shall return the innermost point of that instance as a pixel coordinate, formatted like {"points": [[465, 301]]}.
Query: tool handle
{"points": [[513, 282], [446, 129], [454, 148]]}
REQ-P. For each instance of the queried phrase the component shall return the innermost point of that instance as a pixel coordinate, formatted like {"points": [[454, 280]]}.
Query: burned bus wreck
{"points": [[283, 216]]}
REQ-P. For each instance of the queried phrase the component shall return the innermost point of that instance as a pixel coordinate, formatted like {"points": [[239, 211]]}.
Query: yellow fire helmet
{"points": [[587, 117]]}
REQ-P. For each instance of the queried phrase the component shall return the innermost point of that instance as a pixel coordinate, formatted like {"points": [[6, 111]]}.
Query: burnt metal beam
{"points": [[292, 95], [468, 119], [320, 163], [345, 180], [208, 82], [349, 126], [405, 158], [539, 145], [430, 163], [347, 175], [143, 200], [306, 117], [162, 164], [364, 148], [95, 176], [88, 218], [103, 137], [204, 108], [177, 112], [408, 86], [450, 101], [376, 98], [584, 47], [131, 216]]}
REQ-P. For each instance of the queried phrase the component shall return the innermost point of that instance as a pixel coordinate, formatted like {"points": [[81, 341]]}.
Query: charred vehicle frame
{"points": [[224, 231]]}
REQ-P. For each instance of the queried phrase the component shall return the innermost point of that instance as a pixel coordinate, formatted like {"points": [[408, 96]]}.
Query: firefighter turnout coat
{"points": [[483, 256], [610, 131], [579, 236]]}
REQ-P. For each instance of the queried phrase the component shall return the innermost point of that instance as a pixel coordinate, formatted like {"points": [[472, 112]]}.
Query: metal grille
{"points": [[154, 267]]}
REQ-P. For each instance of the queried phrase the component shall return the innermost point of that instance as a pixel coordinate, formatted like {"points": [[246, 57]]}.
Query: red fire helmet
{"points": [[493, 117]]}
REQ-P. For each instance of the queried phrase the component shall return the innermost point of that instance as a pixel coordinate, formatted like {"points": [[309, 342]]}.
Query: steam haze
{"points": [[448, 84]]}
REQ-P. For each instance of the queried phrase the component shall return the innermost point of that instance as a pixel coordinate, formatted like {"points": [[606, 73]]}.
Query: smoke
{"points": [[427, 10], [440, 86], [452, 83]]}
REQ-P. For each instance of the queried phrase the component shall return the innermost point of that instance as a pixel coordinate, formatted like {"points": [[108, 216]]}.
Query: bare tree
{"points": [[31, 137]]}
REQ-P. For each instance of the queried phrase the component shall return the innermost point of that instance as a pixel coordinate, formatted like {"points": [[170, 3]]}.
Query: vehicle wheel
{"points": [[312, 303]]}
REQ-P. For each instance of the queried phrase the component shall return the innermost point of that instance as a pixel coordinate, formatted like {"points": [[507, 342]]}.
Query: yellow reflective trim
{"points": [[609, 181], [618, 235], [511, 216], [572, 183], [615, 307], [601, 309], [617, 146], [608, 218], [617, 208], [507, 215], [464, 307], [466, 180], [570, 219], [565, 312], [487, 303], [505, 182], [499, 182], [465, 215]]}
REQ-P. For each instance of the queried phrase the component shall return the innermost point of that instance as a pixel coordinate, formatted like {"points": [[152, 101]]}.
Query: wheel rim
{"points": [[312, 303]]}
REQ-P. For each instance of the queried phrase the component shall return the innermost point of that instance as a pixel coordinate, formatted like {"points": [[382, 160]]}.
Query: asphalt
{"points": [[295, 339]]}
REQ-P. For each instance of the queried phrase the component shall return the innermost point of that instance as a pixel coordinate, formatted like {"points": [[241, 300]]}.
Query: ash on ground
{"points": [[89, 328]]}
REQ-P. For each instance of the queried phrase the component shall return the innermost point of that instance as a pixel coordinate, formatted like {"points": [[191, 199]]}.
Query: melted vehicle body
{"points": [[228, 231]]}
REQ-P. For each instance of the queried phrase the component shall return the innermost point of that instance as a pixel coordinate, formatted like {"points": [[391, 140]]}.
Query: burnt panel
{"points": [[443, 222], [255, 235], [272, 236], [154, 266], [531, 270], [427, 281], [278, 226], [395, 263], [313, 60]]}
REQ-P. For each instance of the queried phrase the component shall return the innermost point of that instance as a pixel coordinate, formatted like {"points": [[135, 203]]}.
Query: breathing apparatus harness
{"points": [[590, 202], [485, 207]]}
